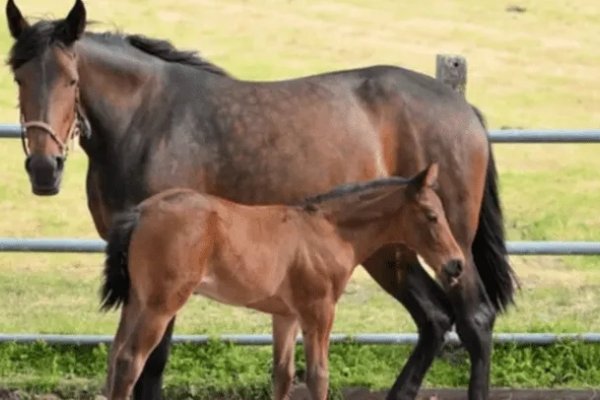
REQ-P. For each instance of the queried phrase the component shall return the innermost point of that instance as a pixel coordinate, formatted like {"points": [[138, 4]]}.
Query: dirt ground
{"points": [[300, 393], [460, 394]]}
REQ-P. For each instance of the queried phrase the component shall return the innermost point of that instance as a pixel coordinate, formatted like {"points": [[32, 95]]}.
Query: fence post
{"points": [[451, 70]]}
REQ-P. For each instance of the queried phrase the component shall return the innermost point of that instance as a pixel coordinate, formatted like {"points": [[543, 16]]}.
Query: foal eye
{"points": [[431, 216]]}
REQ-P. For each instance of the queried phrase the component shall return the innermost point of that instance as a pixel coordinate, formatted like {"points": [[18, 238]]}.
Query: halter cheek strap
{"points": [[79, 123]]}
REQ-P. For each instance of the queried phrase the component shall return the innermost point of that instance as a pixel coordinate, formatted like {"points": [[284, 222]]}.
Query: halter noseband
{"points": [[79, 126]]}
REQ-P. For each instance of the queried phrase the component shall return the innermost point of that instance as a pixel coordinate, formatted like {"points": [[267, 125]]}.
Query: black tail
{"points": [[115, 290], [489, 247]]}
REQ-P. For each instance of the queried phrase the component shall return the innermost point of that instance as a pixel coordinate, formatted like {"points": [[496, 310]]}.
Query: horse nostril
{"points": [[453, 268]]}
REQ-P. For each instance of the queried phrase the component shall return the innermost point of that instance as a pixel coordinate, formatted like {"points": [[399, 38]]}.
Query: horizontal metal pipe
{"points": [[51, 245], [70, 245], [10, 131], [497, 136], [545, 136], [553, 248], [266, 340]]}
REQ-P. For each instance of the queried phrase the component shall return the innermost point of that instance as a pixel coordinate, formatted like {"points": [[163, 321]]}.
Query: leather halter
{"points": [[79, 126]]}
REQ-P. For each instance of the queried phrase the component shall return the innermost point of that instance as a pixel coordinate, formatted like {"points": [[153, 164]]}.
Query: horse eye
{"points": [[73, 82], [431, 216]]}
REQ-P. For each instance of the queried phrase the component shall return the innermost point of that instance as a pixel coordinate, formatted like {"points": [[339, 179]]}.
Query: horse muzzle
{"points": [[45, 173]]}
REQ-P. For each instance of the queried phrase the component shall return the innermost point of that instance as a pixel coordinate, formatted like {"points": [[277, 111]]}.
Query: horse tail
{"points": [[115, 290], [489, 246]]}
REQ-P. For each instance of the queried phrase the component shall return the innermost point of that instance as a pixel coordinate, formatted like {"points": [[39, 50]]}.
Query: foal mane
{"points": [[373, 187], [358, 202], [36, 38]]}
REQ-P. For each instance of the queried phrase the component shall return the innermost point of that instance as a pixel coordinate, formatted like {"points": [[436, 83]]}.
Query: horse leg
{"points": [[475, 317], [405, 280], [100, 214], [145, 335], [285, 329], [315, 331]]}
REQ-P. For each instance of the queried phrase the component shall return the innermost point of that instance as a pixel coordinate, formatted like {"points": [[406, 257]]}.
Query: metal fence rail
{"points": [[266, 340], [69, 245], [497, 136]]}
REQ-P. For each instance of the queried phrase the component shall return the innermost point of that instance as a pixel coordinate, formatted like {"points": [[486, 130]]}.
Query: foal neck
{"points": [[367, 237]]}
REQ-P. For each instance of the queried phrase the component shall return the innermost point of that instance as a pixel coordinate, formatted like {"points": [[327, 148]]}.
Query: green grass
{"points": [[538, 69], [217, 369]]}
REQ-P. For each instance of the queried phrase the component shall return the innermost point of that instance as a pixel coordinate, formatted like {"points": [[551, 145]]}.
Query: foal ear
{"points": [[74, 24], [16, 23], [432, 175], [426, 178]]}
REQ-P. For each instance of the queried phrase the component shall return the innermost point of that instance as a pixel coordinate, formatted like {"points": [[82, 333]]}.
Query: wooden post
{"points": [[451, 70]]}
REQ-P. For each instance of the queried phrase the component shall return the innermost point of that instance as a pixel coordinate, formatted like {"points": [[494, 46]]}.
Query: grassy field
{"points": [[537, 69]]}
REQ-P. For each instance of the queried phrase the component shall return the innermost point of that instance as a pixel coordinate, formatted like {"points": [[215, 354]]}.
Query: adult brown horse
{"points": [[153, 118], [291, 261]]}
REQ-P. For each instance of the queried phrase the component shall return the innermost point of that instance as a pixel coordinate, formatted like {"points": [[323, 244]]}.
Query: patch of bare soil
{"points": [[300, 393]]}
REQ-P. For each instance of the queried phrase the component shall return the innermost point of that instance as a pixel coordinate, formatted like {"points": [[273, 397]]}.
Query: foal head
{"points": [[396, 210], [44, 65], [425, 229]]}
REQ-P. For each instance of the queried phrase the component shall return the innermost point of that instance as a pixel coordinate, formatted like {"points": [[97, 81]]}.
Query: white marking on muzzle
{"points": [[430, 271]]}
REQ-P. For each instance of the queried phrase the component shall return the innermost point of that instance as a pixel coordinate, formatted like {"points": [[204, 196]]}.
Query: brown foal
{"points": [[290, 261]]}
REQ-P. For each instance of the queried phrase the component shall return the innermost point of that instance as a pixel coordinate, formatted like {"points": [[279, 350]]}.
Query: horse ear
{"points": [[426, 178], [16, 23], [74, 24]]}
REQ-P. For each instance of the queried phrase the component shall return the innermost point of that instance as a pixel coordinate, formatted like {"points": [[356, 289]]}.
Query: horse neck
{"points": [[113, 85]]}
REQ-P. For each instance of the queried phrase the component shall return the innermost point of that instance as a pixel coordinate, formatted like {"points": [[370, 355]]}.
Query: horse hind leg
{"points": [[285, 329]]}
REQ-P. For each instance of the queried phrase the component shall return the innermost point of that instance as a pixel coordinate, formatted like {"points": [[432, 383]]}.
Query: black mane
{"points": [[167, 52], [38, 37], [353, 188]]}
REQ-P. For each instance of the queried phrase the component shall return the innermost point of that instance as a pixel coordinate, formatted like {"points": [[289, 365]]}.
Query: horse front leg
{"points": [[404, 279], [100, 213], [475, 317]]}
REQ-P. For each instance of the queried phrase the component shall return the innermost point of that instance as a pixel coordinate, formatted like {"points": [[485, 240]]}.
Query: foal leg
{"points": [[143, 338], [148, 386], [285, 329], [125, 325], [403, 278], [315, 331]]}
